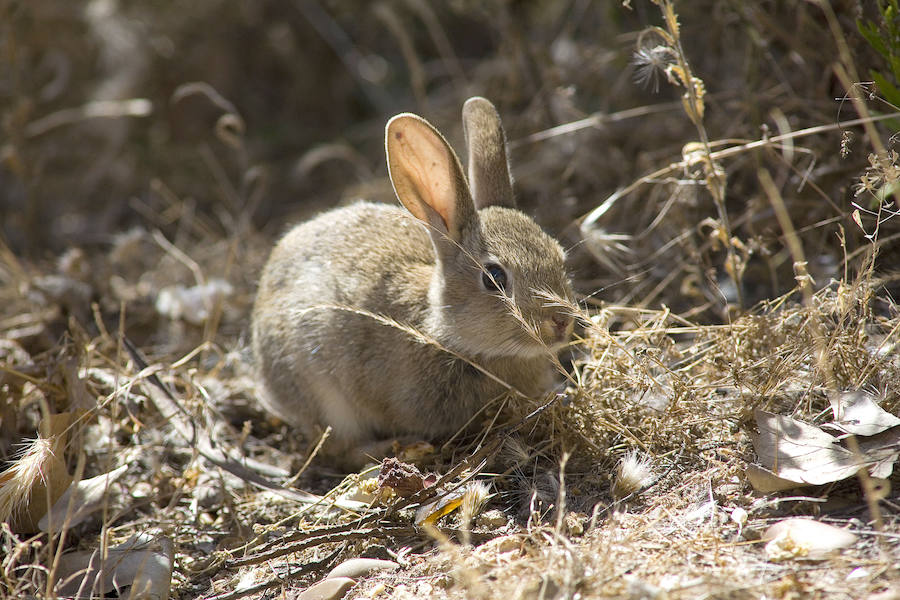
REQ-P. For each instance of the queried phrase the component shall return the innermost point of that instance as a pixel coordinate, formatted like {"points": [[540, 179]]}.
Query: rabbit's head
{"points": [[499, 288]]}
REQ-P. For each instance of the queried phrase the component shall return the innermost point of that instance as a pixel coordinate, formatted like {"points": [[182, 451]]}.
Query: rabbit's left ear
{"points": [[489, 178], [427, 176]]}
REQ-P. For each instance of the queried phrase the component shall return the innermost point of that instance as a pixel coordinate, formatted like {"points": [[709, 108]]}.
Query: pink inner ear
{"points": [[422, 164]]}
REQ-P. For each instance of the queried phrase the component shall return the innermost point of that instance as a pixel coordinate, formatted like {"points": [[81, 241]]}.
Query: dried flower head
{"points": [[473, 501], [633, 474], [650, 64]]}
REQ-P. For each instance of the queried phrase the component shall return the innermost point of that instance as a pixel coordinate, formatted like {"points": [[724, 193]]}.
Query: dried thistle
{"points": [[633, 473], [651, 63]]}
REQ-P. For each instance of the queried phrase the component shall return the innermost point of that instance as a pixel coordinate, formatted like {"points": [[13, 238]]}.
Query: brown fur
{"points": [[337, 291]]}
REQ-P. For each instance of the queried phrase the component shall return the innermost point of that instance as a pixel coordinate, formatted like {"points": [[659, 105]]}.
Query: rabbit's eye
{"points": [[494, 277]]}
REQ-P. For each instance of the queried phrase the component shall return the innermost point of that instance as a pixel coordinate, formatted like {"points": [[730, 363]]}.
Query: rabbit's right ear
{"points": [[427, 176]]}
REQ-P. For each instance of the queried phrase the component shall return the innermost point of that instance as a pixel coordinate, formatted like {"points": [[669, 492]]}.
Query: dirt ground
{"points": [[722, 174]]}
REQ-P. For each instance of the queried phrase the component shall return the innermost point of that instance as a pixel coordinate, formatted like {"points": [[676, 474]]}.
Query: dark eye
{"points": [[494, 277]]}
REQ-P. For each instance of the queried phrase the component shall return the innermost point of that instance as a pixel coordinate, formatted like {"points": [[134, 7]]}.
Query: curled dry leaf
{"points": [[881, 451], [361, 567], [800, 452], [804, 538], [794, 451], [142, 563], [857, 413], [88, 497], [331, 588], [765, 481]]}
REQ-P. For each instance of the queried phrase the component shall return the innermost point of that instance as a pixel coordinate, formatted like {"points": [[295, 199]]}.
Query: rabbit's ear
{"points": [[427, 176], [489, 177]]}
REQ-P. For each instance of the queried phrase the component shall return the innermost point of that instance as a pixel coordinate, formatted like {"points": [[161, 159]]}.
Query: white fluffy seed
{"points": [[633, 474]]}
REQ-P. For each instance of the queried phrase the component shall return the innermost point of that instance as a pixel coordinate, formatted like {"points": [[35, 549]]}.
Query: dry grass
{"points": [[732, 239]]}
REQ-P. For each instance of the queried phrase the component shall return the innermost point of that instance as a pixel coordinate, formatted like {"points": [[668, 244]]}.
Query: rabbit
{"points": [[391, 323]]}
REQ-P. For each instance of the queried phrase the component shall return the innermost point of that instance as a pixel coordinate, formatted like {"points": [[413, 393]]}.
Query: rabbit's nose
{"points": [[561, 326]]}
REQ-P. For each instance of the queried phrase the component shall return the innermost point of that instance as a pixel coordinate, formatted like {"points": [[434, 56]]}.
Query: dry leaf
{"points": [[332, 588], [765, 481], [88, 494], [142, 563], [361, 567], [791, 450], [882, 449], [858, 220], [804, 538], [857, 413], [800, 452]]}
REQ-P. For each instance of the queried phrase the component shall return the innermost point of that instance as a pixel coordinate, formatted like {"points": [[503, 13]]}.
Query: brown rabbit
{"points": [[369, 318]]}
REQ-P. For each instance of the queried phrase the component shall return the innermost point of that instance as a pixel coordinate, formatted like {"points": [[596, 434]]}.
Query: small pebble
{"points": [[492, 519], [360, 567], [329, 589], [500, 545], [574, 524]]}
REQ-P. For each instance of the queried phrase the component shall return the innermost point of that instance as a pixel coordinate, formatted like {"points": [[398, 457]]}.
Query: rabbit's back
{"points": [[347, 255], [338, 322]]}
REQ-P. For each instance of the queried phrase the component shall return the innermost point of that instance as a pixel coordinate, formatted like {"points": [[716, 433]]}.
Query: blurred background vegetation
{"points": [[231, 119]]}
